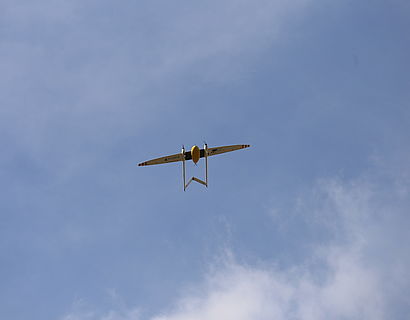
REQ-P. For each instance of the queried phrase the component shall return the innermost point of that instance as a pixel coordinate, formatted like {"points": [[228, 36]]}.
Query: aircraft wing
{"points": [[218, 150], [188, 156], [166, 159]]}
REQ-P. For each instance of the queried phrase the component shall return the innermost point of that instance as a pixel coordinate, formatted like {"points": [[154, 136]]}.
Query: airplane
{"points": [[195, 154]]}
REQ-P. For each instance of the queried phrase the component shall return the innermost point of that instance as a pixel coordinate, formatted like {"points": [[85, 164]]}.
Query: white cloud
{"points": [[359, 272], [348, 277], [350, 291]]}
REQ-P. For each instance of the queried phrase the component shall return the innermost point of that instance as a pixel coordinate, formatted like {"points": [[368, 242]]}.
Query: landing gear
{"points": [[205, 183]]}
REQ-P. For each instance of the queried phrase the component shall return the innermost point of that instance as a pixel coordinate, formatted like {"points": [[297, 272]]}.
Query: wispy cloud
{"points": [[359, 272]]}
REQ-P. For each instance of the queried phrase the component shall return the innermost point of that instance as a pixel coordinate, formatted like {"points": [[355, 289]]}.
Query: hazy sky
{"points": [[311, 222]]}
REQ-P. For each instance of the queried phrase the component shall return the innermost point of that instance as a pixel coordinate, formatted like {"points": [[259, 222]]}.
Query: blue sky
{"points": [[311, 222]]}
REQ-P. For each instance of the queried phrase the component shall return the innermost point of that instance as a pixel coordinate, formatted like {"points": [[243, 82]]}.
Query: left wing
{"points": [[218, 150], [166, 159]]}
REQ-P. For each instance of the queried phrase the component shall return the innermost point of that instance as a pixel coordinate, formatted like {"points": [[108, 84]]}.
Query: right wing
{"points": [[166, 159]]}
